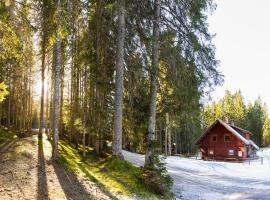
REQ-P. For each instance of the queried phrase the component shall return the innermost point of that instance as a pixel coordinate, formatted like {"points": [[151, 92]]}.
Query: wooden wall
{"points": [[221, 147]]}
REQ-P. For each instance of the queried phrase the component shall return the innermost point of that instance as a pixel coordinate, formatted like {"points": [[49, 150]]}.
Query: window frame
{"points": [[229, 138], [213, 137], [229, 152]]}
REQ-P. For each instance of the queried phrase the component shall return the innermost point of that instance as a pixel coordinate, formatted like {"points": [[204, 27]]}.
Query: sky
{"points": [[242, 41]]}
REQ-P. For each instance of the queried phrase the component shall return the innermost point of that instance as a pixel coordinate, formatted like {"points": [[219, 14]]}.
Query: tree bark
{"points": [[41, 119], [9, 100], [56, 90], [47, 117], [149, 155], [62, 75], [117, 137], [169, 137], [84, 89], [166, 134]]}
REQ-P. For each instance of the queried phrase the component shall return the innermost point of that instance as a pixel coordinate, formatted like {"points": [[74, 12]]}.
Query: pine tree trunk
{"points": [[29, 102], [169, 137], [47, 119], [9, 102], [117, 137], [56, 98], [62, 74], [166, 134], [84, 103], [56, 90], [73, 90], [149, 155], [51, 111], [41, 119]]}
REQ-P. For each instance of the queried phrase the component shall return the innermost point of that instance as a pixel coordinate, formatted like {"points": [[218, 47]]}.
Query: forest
{"points": [[109, 75], [252, 116], [98, 69]]}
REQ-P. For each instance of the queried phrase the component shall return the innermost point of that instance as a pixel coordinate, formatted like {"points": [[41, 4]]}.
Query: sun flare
{"points": [[38, 86]]}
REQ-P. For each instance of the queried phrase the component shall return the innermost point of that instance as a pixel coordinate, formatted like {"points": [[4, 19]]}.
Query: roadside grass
{"points": [[113, 175]]}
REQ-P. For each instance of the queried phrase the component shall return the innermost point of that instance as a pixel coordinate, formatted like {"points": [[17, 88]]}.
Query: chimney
{"points": [[227, 120], [232, 123]]}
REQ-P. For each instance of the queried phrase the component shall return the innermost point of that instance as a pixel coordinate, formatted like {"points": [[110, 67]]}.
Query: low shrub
{"points": [[156, 177]]}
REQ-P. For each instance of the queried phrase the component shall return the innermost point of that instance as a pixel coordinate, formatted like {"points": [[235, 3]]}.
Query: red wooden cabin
{"points": [[223, 141]]}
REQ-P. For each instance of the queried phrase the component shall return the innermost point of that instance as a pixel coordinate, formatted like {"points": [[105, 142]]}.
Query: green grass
{"points": [[6, 134], [113, 175]]}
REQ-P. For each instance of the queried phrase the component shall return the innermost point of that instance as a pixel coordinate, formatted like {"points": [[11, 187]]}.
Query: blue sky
{"points": [[242, 43]]}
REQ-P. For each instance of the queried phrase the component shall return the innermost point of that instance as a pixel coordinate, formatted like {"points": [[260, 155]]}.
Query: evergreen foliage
{"points": [[71, 48], [157, 178], [3, 91], [253, 117]]}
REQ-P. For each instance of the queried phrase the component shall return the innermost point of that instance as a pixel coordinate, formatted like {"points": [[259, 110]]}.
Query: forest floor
{"points": [[204, 180], [26, 172]]}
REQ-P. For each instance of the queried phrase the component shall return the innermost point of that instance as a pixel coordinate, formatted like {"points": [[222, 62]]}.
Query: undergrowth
{"points": [[114, 175], [6, 134], [156, 177]]}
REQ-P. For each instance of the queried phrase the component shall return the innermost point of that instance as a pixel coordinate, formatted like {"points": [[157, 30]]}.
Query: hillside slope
{"points": [[26, 172]]}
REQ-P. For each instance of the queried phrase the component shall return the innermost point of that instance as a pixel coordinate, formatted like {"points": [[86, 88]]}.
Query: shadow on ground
{"points": [[83, 167], [42, 176]]}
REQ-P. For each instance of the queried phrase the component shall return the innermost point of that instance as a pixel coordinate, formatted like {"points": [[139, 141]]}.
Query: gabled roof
{"points": [[238, 132]]}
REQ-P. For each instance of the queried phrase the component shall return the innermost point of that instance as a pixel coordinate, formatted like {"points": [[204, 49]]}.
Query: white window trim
{"points": [[231, 152]]}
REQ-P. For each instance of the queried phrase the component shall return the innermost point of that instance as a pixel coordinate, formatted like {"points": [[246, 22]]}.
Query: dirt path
{"points": [[26, 172]]}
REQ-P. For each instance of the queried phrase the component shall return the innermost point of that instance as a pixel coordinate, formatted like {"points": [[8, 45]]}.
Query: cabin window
{"points": [[227, 138], [231, 152], [211, 152], [214, 138]]}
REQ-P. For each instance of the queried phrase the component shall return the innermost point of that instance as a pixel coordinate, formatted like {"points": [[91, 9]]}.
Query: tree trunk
{"points": [[149, 155], [56, 90], [169, 137], [117, 137], [166, 134], [52, 86], [47, 107], [84, 89], [9, 101], [62, 74], [29, 100], [56, 98], [41, 119]]}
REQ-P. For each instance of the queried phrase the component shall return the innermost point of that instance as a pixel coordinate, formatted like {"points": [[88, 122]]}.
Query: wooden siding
{"points": [[220, 147]]}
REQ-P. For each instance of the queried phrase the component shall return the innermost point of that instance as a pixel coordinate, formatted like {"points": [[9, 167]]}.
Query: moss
{"points": [[113, 175]]}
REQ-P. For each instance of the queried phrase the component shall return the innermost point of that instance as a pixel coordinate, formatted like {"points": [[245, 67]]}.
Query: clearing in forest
{"points": [[205, 180]]}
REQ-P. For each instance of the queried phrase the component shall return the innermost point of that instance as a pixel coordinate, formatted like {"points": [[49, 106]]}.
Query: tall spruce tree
{"points": [[149, 155], [117, 137]]}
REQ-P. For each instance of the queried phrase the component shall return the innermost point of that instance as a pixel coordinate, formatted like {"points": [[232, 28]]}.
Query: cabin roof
{"points": [[241, 131], [238, 132]]}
